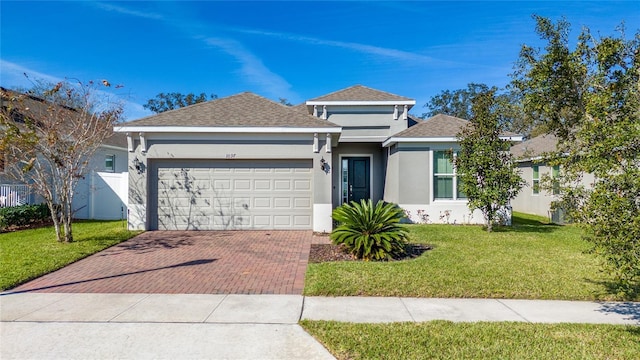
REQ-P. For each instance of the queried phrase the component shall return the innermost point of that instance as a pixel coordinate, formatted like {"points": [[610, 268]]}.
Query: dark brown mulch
{"points": [[32, 225], [330, 252]]}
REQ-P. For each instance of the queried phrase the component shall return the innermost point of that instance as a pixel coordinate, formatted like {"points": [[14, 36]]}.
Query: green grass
{"points": [[483, 340], [531, 260], [27, 254]]}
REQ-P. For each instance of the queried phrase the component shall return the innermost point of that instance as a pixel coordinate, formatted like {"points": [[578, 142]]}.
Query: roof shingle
{"points": [[241, 110], [535, 147], [436, 126], [360, 93]]}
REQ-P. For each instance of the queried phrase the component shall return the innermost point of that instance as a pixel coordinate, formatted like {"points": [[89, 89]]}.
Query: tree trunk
{"points": [[67, 214], [68, 234], [56, 220]]}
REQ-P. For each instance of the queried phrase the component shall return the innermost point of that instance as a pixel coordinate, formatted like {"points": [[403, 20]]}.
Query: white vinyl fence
{"points": [[14, 195]]}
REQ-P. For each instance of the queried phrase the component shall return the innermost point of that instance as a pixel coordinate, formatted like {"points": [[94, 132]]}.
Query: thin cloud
{"points": [[363, 48], [18, 76], [252, 68], [127, 11]]}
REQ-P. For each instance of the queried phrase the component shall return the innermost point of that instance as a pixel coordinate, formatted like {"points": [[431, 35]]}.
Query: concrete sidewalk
{"points": [[66, 325]]}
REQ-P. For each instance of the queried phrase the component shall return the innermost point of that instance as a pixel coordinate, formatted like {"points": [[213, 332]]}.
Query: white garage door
{"points": [[233, 194]]}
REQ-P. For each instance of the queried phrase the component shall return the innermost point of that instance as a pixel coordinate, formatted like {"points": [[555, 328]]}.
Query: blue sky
{"points": [[294, 50]]}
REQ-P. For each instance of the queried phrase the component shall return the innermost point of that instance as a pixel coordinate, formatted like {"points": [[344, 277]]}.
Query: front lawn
{"points": [[28, 254], [531, 260], [483, 340]]}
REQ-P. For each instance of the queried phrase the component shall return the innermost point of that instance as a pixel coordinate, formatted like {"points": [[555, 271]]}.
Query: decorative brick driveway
{"points": [[194, 262]]}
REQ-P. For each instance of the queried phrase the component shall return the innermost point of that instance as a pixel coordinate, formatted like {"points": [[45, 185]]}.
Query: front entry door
{"points": [[356, 179]]}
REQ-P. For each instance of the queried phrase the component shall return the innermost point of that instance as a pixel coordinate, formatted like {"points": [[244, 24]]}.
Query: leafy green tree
{"points": [[589, 97], [169, 101], [48, 140], [370, 232], [459, 103], [489, 176], [455, 102]]}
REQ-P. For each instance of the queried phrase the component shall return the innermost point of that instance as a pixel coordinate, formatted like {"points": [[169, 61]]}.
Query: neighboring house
{"points": [[246, 162], [532, 162], [100, 194]]}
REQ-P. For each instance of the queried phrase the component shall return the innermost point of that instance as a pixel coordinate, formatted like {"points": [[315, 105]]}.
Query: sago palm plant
{"points": [[370, 232]]}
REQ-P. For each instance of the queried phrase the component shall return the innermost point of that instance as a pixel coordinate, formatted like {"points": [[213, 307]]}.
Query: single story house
{"points": [[246, 162], [531, 156], [101, 193]]}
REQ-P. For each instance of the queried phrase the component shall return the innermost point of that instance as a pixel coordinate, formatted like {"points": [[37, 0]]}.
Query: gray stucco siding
{"points": [[367, 120], [415, 182]]}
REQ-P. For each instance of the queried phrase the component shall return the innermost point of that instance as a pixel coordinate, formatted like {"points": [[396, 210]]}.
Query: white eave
{"points": [[361, 102], [439, 139], [113, 147], [225, 129]]}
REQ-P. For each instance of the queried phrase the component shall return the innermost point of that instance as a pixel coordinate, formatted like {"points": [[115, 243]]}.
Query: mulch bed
{"points": [[330, 252], [32, 225]]}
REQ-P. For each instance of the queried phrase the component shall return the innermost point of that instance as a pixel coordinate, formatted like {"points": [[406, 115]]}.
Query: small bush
{"points": [[370, 232], [23, 215]]}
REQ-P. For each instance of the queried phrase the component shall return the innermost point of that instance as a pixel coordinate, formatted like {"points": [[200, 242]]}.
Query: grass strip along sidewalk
{"points": [[530, 260], [482, 340], [28, 254]]}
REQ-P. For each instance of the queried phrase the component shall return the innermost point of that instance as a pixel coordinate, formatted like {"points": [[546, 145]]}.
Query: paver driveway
{"points": [[190, 262]]}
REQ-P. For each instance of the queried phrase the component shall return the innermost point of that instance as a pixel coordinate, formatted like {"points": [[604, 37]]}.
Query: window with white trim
{"points": [[555, 172], [446, 183], [110, 163], [535, 183]]}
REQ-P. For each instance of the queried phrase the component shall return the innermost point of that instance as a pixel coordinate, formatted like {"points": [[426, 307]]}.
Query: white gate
{"points": [[14, 195]]}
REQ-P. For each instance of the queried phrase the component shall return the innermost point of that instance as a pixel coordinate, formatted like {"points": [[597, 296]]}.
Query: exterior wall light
{"points": [[139, 166], [323, 165]]}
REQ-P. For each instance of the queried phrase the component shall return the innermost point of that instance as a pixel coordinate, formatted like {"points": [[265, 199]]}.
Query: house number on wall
{"points": [[230, 156]]}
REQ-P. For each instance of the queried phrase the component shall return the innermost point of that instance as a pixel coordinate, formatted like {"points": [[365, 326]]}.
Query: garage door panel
{"points": [[261, 185], [302, 220], [282, 203], [262, 203], [234, 194], [282, 221], [222, 184], [242, 184], [301, 185], [302, 203], [263, 221]]}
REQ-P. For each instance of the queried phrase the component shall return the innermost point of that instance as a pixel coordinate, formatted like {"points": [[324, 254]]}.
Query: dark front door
{"points": [[356, 179]]}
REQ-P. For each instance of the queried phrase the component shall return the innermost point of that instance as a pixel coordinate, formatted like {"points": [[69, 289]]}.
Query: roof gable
{"points": [[241, 110], [360, 93], [437, 126], [535, 147]]}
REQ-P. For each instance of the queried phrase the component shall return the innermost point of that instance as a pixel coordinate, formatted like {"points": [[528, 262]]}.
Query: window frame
{"points": [[453, 176], [555, 174], [535, 179], [111, 157]]}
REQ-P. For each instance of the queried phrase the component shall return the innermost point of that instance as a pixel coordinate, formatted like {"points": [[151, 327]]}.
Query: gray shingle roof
{"points": [[535, 147], [436, 126], [116, 139], [32, 106], [360, 93], [241, 110]]}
